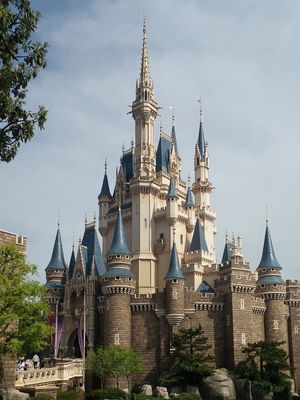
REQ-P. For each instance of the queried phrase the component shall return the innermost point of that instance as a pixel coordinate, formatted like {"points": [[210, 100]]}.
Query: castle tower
{"points": [[174, 290], [104, 200], [271, 287], [202, 189], [144, 188], [293, 302], [56, 273], [144, 112], [118, 284], [236, 283]]}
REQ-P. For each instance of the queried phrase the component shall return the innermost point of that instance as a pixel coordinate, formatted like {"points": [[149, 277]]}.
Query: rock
{"points": [[175, 391], [161, 391], [146, 390], [243, 389], [261, 394], [13, 394], [192, 389], [218, 386], [295, 396]]}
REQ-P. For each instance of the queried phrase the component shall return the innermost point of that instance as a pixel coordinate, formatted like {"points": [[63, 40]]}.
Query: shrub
{"points": [[101, 394], [43, 397], [188, 396], [67, 395]]}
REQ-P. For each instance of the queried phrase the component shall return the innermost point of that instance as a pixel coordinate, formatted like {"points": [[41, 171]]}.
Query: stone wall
{"points": [[14, 238]]}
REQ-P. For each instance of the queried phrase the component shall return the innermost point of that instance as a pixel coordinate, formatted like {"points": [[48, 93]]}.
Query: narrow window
{"points": [[197, 160], [116, 339], [296, 329], [181, 239], [174, 293], [242, 304], [244, 338], [145, 223], [275, 325], [228, 320]]}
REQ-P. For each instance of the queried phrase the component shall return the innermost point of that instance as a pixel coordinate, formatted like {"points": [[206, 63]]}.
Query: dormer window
{"points": [[174, 280]]}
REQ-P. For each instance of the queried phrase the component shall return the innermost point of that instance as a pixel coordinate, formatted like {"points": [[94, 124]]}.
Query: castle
{"points": [[157, 270]]}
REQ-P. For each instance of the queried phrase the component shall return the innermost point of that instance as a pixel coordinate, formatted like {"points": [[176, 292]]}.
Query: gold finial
{"points": [[200, 108]]}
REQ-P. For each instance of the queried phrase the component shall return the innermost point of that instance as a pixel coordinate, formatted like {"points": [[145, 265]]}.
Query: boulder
{"points": [[146, 390], [243, 389], [161, 391], [175, 391], [218, 386], [13, 394]]}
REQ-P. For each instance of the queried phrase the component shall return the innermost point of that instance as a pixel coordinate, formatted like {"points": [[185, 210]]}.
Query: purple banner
{"points": [[60, 321]]}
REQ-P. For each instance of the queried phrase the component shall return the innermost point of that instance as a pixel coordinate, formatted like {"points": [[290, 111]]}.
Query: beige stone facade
{"points": [[14, 238], [230, 301]]}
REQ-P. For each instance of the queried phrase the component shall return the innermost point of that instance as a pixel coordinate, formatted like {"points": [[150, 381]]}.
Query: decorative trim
{"points": [[209, 306], [112, 289], [143, 307], [258, 310]]}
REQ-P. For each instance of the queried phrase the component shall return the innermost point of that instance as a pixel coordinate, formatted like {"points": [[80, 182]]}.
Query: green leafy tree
{"points": [[265, 364], [23, 310], [20, 62], [191, 360], [114, 361]]}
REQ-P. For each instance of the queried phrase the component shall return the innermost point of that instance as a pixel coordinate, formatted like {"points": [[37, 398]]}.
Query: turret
{"points": [[104, 200], [189, 205], [202, 189], [174, 290], [56, 271], [118, 284], [172, 207], [271, 287], [144, 112]]}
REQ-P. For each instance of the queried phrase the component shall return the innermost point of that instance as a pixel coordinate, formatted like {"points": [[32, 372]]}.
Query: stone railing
{"points": [[64, 372]]}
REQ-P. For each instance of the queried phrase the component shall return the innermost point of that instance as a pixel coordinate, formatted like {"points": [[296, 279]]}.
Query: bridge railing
{"points": [[61, 373]]}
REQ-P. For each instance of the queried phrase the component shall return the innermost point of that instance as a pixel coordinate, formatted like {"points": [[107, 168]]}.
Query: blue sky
{"points": [[241, 57]]}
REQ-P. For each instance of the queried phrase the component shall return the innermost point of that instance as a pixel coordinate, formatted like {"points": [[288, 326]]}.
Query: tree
{"points": [[23, 310], [265, 365], [114, 361], [20, 62], [191, 361]]}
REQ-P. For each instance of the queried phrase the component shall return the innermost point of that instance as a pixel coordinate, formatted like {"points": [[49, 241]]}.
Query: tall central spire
{"points": [[145, 79]]}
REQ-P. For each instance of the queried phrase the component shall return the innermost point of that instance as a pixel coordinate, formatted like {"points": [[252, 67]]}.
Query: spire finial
{"points": [[105, 166], [85, 219], [200, 108], [73, 240], [174, 234], [226, 236], [145, 72], [95, 218], [79, 240], [267, 216], [189, 179], [173, 115], [58, 218]]}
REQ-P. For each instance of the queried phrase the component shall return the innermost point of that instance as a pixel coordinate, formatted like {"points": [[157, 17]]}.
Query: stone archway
{"points": [[73, 345]]}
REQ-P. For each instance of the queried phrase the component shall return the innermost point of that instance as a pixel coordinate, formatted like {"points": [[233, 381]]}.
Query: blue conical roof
{"points": [[172, 191], [201, 141], [105, 187], [57, 259], [227, 252], [72, 263], [119, 243], [198, 241], [91, 242], [189, 200], [174, 140], [268, 259], [174, 271]]}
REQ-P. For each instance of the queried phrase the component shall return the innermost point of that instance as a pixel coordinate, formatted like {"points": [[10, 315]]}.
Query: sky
{"points": [[241, 57]]}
